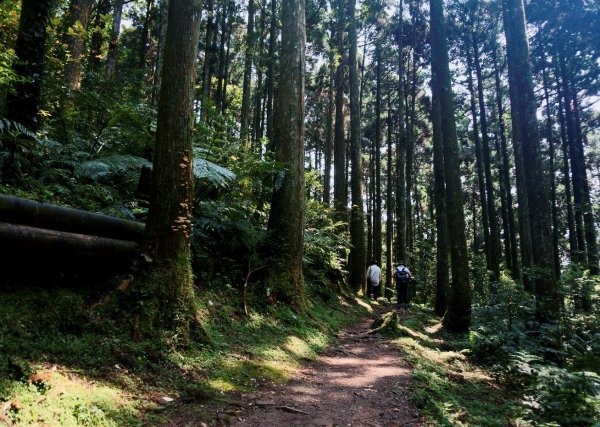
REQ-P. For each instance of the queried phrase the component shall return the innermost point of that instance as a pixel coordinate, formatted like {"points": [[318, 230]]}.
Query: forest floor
{"points": [[363, 380]]}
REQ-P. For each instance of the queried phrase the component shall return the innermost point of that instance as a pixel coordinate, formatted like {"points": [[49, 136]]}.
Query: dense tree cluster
{"points": [[436, 133]]}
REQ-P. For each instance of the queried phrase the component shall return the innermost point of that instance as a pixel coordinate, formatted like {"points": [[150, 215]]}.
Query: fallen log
{"points": [[17, 210], [23, 238]]}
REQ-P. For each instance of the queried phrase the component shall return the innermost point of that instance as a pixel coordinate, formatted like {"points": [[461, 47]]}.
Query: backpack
{"points": [[401, 274]]}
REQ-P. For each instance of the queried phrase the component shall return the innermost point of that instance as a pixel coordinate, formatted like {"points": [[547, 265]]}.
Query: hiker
{"points": [[373, 280], [402, 275]]}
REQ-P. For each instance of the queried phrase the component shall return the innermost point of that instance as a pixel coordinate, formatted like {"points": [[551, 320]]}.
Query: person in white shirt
{"points": [[373, 280]]}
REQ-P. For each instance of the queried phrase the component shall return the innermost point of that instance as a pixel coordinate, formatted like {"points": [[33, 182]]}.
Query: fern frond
{"points": [[10, 126], [109, 166], [215, 174]]}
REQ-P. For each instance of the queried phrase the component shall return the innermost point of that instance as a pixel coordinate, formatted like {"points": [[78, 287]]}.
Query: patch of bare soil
{"points": [[362, 381]]}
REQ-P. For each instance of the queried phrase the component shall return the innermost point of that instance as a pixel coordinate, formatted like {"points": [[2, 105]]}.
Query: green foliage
{"points": [[555, 366]]}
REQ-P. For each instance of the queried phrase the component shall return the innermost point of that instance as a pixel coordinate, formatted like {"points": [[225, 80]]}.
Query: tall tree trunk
{"points": [[458, 314], [145, 39], [377, 234], [575, 165], [329, 124], [526, 137], [226, 30], [340, 186], [208, 51], [441, 221], [78, 20], [103, 8], [588, 214], [573, 247], [479, 166], [246, 88], [358, 262], [410, 155], [505, 173], [286, 220], [389, 226], [550, 139], [169, 223], [401, 199], [23, 104], [271, 71], [160, 55], [113, 44], [258, 110], [487, 163]]}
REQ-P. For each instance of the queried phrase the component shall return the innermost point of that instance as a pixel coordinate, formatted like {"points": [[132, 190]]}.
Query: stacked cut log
{"points": [[26, 225]]}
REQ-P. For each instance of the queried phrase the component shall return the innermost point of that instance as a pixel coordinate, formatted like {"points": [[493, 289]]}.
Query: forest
{"points": [[191, 193]]}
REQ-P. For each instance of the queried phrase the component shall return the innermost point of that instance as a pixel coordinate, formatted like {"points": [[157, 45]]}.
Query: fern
{"points": [[110, 166], [213, 173], [15, 129]]}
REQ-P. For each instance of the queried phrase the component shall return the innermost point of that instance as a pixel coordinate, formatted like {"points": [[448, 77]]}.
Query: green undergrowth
{"points": [[63, 363], [447, 387]]}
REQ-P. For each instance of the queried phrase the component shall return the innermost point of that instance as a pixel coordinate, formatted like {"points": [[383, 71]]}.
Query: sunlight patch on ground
{"points": [[364, 304], [434, 329], [60, 396]]}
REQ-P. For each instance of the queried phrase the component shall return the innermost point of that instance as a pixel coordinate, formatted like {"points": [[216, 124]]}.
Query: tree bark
{"points": [[160, 55], [526, 137], [401, 149], [113, 45], [573, 246], [77, 23], [340, 184], [458, 314], [246, 87], [169, 225], [479, 166], [329, 123], [377, 211], [389, 227], [23, 104], [271, 72], [550, 140], [103, 8], [441, 220], [505, 175], [358, 264], [286, 220], [487, 163]]}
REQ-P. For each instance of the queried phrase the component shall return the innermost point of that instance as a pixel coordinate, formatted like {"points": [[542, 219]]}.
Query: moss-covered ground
{"points": [[63, 361], [447, 387]]}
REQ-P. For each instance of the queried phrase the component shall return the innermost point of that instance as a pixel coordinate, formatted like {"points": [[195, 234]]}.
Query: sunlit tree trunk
{"points": [[286, 220], [113, 44], [77, 22]]}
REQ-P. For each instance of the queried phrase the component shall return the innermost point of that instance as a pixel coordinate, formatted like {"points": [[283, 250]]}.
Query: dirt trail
{"points": [[360, 382]]}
